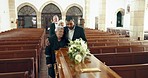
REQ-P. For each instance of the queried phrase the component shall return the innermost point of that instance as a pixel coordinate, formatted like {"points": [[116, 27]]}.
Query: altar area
{"points": [[91, 68]]}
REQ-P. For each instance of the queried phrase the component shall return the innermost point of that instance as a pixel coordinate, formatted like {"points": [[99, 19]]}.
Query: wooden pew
{"points": [[117, 49], [19, 39], [17, 65], [109, 43], [38, 32], [25, 34], [23, 39], [128, 61], [18, 42], [116, 43], [107, 39], [24, 74], [131, 71], [23, 47], [22, 54], [111, 59], [127, 65], [89, 37], [19, 47]]}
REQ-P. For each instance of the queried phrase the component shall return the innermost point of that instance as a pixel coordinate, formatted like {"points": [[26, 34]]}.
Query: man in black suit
{"points": [[53, 25], [55, 42], [72, 32]]}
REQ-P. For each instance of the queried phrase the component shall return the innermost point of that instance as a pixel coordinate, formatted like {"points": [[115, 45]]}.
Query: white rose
{"points": [[78, 58]]}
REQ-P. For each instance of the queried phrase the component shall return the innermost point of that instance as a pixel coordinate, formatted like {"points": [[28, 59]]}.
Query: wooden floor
{"points": [[43, 72]]}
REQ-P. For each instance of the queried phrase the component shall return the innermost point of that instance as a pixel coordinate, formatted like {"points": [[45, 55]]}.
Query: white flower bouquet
{"points": [[78, 50]]}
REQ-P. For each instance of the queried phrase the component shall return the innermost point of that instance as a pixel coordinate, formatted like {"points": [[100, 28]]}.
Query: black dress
{"points": [[50, 52]]}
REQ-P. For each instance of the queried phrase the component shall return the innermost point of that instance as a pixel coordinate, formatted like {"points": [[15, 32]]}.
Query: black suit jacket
{"points": [[78, 33], [52, 29], [54, 45]]}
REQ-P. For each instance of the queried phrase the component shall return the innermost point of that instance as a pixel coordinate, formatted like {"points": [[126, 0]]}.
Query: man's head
{"points": [[59, 30], [55, 18], [70, 23]]}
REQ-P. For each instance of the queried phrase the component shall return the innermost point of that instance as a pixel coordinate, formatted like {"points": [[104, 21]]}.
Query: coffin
{"points": [[91, 68]]}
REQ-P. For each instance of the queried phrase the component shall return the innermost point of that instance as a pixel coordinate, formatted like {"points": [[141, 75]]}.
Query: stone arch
{"points": [[27, 20], [53, 2], [76, 16], [48, 10], [29, 4], [71, 5], [121, 10]]}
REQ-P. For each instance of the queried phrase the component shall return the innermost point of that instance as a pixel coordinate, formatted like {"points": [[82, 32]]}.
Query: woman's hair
{"points": [[59, 28], [61, 21]]}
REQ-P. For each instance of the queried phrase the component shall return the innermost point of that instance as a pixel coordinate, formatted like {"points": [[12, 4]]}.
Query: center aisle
{"points": [[43, 72]]}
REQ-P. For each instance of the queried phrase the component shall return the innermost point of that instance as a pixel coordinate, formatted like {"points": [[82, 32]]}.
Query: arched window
{"points": [[119, 19], [74, 12], [47, 13], [27, 17]]}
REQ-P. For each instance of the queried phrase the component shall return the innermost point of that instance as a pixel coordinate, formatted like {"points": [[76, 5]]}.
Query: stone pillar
{"points": [[39, 20], [64, 17], [137, 19], [102, 15], [12, 14], [87, 14]]}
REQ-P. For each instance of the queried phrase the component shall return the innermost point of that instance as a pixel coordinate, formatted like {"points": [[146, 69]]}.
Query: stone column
{"points": [[39, 20], [12, 14], [137, 19], [87, 14], [64, 17], [102, 15]]}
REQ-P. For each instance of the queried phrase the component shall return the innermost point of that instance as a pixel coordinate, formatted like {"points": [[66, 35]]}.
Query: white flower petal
{"points": [[78, 58]]}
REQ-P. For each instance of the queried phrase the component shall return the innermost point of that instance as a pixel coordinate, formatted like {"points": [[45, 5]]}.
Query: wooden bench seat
{"points": [[40, 41], [109, 43], [23, 39], [19, 39], [18, 42], [128, 58], [89, 37], [19, 47], [22, 54], [117, 49], [24, 74], [111, 59], [131, 71], [23, 47], [127, 65], [100, 34], [17, 65], [38, 32], [106, 39], [116, 43]]}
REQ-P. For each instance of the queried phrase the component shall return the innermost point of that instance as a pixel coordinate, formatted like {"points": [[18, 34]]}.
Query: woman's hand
{"points": [[47, 42], [49, 65]]}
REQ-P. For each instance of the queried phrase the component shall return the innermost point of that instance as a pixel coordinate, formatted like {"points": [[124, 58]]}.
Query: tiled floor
{"points": [[43, 68]]}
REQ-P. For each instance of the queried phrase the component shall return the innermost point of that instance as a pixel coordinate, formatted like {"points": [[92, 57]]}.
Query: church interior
{"points": [[116, 33]]}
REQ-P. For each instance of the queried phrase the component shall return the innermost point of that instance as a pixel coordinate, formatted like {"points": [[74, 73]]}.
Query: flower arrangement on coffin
{"points": [[78, 51]]}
